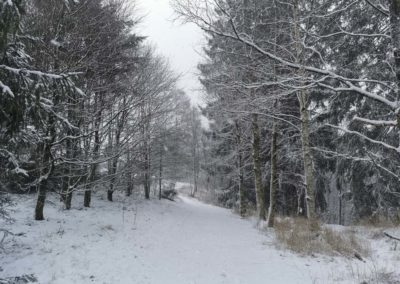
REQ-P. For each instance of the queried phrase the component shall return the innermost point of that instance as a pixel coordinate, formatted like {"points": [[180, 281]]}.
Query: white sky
{"points": [[179, 43]]}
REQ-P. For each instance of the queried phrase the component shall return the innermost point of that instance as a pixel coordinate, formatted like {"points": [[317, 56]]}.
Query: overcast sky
{"points": [[181, 44]]}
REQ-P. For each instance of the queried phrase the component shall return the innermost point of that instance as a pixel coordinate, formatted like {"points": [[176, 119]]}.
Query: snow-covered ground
{"points": [[136, 241]]}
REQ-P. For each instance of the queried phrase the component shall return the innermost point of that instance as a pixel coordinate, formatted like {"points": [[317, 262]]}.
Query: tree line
{"points": [[303, 104], [86, 105]]}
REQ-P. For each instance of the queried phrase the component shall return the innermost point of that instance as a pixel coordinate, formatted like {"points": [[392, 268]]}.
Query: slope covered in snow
{"points": [[134, 241]]}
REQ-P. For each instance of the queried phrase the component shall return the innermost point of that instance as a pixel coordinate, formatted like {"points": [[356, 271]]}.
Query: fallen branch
{"points": [[5, 234], [168, 198], [391, 237], [169, 194], [358, 256], [19, 279]]}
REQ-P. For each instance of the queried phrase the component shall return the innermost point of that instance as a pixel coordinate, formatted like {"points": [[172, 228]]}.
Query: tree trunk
{"points": [[303, 98], [96, 149], [110, 195], [260, 192], [47, 158], [129, 190], [87, 198], [67, 173], [64, 189], [309, 195], [145, 129], [114, 162], [39, 216], [112, 183], [146, 177], [194, 153], [68, 200], [160, 175], [394, 11], [113, 172], [395, 34], [48, 164], [339, 187], [146, 186], [274, 176], [146, 172], [242, 194], [73, 150], [129, 177], [88, 192]]}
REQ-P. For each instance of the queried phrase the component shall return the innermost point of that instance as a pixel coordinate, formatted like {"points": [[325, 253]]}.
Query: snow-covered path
{"points": [[199, 243], [153, 242]]}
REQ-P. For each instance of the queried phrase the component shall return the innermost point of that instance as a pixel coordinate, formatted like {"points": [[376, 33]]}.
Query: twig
{"points": [[391, 237], [5, 234], [358, 256]]}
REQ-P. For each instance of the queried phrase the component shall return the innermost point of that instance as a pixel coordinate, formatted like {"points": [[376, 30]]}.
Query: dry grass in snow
{"points": [[305, 237]]}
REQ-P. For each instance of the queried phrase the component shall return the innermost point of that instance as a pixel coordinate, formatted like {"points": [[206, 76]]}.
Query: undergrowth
{"points": [[309, 237]]}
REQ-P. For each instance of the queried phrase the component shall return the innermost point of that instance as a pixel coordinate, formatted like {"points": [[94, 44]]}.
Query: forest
{"points": [[85, 103], [304, 105], [297, 135]]}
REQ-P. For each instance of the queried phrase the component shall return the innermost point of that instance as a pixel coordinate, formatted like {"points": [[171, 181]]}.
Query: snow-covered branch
{"points": [[364, 137], [376, 122]]}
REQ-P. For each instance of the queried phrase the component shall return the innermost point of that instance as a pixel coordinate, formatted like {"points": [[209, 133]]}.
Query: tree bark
{"points": [[49, 161], [47, 158], [88, 192], [39, 216], [395, 34], [303, 97], [113, 172], [194, 153], [394, 10], [242, 194], [110, 195], [274, 176], [64, 189], [72, 149], [145, 131], [147, 172], [160, 172], [68, 200], [129, 177], [114, 163], [307, 156], [146, 186], [87, 198], [96, 149], [260, 192]]}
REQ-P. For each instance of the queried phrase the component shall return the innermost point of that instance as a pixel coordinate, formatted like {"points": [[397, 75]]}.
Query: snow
{"points": [[55, 43], [6, 90], [137, 241]]}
